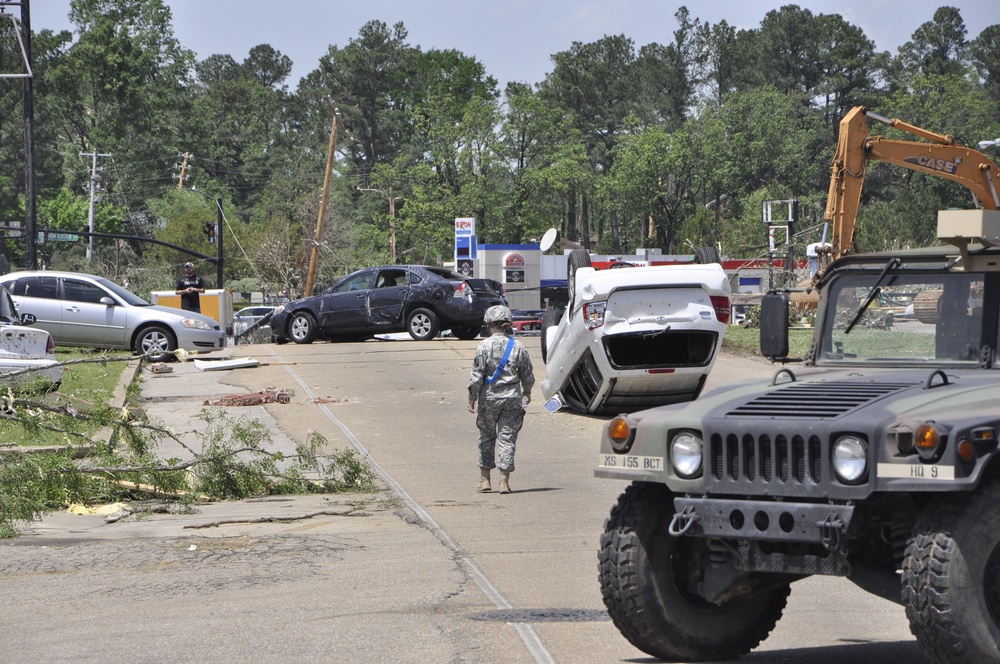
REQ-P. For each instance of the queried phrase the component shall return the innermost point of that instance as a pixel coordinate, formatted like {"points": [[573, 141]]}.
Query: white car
{"points": [[635, 337], [90, 311], [27, 354]]}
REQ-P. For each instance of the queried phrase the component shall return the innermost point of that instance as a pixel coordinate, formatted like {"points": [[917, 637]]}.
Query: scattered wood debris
{"points": [[161, 368], [328, 400], [267, 395]]}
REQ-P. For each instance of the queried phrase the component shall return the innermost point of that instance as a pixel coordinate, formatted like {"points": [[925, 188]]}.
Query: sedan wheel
{"points": [[302, 328], [422, 324], [467, 333], [156, 342]]}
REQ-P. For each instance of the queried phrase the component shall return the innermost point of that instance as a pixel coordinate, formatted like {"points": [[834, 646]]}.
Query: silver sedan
{"points": [[90, 311]]}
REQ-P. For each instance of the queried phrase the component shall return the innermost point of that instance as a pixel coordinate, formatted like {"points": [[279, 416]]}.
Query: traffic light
{"points": [[210, 232]]}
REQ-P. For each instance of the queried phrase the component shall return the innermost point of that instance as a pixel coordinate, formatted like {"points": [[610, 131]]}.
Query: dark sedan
{"points": [[417, 299]]}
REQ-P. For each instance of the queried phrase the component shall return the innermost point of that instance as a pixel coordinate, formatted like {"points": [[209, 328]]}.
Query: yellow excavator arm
{"points": [[941, 157]]}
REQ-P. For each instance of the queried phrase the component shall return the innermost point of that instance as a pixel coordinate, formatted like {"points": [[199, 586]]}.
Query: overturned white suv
{"points": [[635, 337]]}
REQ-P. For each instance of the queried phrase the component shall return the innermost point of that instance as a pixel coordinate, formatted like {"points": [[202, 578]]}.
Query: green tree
{"points": [[938, 47], [985, 53], [724, 60], [596, 84], [789, 43], [237, 121], [369, 81], [543, 158]]}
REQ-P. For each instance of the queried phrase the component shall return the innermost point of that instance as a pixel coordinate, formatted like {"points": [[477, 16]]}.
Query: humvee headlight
{"points": [[850, 459], [686, 454]]}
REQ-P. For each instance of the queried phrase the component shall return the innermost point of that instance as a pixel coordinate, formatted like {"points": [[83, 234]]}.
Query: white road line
{"points": [[526, 631]]}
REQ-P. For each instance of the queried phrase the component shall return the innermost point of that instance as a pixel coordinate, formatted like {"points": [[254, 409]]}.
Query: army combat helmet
{"points": [[497, 314]]}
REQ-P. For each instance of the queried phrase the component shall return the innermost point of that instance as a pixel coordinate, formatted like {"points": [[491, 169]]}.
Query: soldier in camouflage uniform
{"points": [[501, 378]]}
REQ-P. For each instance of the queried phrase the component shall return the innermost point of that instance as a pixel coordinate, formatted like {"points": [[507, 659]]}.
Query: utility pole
{"points": [[180, 182], [28, 85], [392, 219], [90, 214], [219, 232], [314, 253]]}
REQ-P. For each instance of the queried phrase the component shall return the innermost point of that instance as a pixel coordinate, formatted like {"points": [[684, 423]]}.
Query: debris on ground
{"points": [[328, 400], [221, 365], [267, 395], [160, 368], [111, 512]]}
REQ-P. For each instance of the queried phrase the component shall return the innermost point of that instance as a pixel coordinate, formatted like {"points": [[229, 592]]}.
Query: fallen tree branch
{"points": [[276, 519], [79, 451], [149, 488]]}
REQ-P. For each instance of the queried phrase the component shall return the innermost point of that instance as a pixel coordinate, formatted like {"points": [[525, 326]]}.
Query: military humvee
{"points": [[876, 459]]}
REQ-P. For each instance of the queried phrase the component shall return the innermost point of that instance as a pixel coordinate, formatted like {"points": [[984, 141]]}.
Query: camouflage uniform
{"points": [[499, 405]]}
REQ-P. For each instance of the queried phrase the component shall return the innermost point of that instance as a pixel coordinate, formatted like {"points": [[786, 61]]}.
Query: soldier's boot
{"points": [[484, 481], [504, 481]]}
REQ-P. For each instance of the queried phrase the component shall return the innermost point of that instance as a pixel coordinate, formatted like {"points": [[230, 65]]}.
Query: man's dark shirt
{"points": [[190, 301]]}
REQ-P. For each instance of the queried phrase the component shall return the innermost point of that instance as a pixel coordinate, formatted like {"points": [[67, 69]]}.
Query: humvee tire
{"points": [[638, 564], [951, 578]]}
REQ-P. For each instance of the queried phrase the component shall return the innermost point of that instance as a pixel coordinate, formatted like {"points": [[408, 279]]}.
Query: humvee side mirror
{"points": [[774, 326]]}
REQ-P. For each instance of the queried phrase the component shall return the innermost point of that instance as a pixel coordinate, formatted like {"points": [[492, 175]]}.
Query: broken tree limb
{"points": [[276, 519]]}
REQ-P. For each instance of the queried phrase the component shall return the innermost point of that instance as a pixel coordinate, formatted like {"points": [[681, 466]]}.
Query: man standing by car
{"points": [[501, 383], [188, 287]]}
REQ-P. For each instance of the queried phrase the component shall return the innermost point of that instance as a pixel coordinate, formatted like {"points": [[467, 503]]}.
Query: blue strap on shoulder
{"points": [[503, 362]]}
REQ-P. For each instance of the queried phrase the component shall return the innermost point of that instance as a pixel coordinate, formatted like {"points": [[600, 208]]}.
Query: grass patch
{"points": [[741, 340], [235, 460], [89, 381]]}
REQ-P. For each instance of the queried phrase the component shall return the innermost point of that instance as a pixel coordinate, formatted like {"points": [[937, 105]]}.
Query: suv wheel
{"points": [[706, 255], [550, 318], [642, 570], [951, 578]]}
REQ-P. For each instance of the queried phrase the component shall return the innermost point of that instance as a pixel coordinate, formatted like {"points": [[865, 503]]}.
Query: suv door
{"points": [[39, 296], [86, 320]]}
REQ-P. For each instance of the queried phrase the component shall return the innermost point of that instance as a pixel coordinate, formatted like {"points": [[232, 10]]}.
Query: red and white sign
{"points": [[513, 260], [465, 225]]}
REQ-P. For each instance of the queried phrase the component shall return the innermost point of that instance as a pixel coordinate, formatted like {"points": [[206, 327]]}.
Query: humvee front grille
{"points": [[789, 460], [816, 401]]}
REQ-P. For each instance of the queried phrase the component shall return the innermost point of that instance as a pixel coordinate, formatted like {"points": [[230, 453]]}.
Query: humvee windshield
{"points": [[913, 318]]}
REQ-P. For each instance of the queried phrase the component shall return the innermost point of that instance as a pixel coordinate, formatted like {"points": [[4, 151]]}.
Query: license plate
{"points": [[630, 462], [916, 471]]}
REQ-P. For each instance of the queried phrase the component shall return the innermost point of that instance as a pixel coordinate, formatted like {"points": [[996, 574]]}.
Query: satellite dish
{"points": [[549, 239]]}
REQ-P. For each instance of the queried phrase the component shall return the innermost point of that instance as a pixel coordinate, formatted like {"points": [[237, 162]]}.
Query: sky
{"points": [[513, 39]]}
